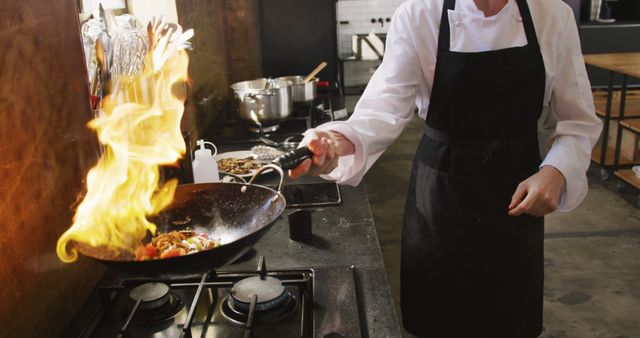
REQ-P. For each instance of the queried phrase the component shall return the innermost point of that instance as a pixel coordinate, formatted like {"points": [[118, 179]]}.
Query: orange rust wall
{"points": [[45, 153]]}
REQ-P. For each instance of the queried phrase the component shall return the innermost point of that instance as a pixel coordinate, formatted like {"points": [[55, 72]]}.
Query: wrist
{"points": [[343, 145], [555, 172]]}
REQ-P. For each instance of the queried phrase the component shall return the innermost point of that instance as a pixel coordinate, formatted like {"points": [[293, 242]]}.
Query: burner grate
{"points": [[298, 304]]}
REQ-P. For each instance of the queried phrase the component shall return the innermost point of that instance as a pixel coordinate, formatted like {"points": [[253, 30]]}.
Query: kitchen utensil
{"points": [[236, 214], [165, 39], [90, 31], [107, 17], [263, 102], [104, 57], [315, 72], [92, 28], [130, 47], [94, 83], [98, 87], [303, 92]]}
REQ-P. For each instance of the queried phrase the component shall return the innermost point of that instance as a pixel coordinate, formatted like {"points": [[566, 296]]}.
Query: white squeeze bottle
{"points": [[205, 167]]}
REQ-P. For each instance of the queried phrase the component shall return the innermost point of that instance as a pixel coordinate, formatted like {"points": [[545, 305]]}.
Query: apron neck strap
{"points": [[444, 36], [527, 21]]}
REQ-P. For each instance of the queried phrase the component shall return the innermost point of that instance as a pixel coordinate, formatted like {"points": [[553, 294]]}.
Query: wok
{"points": [[237, 214]]}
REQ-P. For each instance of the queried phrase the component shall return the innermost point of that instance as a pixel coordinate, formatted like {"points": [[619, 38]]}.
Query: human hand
{"points": [[327, 147], [539, 194]]}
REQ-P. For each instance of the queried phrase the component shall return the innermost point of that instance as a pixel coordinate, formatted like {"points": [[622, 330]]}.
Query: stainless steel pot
{"points": [[264, 102], [302, 92]]}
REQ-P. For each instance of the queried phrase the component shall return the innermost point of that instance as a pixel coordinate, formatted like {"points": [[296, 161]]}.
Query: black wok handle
{"points": [[293, 158]]}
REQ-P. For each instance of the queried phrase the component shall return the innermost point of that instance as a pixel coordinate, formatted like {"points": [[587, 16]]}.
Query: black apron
{"points": [[469, 269]]}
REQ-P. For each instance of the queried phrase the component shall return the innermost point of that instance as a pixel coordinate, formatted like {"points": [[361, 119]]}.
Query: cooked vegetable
{"points": [[175, 243], [238, 166]]}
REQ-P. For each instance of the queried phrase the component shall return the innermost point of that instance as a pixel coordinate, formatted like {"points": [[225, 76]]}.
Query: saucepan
{"points": [[302, 92], [304, 87], [263, 102], [236, 214]]}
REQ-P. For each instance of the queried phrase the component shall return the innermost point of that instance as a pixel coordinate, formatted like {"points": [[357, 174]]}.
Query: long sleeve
{"points": [[576, 126], [385, 107]]}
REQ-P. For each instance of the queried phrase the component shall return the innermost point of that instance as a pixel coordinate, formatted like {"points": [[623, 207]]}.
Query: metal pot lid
{"points": [[262, 84], [297, 79]]}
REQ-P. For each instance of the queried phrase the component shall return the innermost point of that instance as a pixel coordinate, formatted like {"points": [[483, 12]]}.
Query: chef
{"points": [[480, 72]]}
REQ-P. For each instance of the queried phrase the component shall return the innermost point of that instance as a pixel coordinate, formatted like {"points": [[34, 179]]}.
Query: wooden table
{"points": [[627, 64], [623, 63]]}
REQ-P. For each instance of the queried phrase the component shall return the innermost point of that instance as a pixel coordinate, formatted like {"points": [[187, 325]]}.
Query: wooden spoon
{"points": [[315, 72]]}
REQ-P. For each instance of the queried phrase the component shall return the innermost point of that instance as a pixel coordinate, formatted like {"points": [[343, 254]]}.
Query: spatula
{"points": [[314, 72]]}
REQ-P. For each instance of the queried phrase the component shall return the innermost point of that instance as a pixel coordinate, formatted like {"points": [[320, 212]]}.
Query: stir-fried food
{"points": [[238, 166], [175, 243]]}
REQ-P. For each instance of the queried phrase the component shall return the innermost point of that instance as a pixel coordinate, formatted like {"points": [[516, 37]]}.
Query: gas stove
{"points": [[235, 135], [305, 302], [287, 132]]}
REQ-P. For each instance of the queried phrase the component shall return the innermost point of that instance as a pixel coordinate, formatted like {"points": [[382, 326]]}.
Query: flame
{"points": [[123, 188]]}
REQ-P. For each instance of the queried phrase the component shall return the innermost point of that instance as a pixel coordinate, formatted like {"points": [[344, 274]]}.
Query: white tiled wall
{"points": [[359, 14]]}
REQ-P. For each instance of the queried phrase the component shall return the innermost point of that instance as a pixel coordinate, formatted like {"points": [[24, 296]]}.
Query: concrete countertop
{"points": [[342, 236]]}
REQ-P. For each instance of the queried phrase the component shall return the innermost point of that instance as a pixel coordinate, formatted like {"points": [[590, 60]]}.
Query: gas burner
{"points": [[153, 295], [270, 311], [269, 291], [157, 304], [262, 299], [296, 303]]}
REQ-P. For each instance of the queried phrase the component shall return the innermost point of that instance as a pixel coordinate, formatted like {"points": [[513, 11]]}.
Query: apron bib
{"points": [[469, 269]]}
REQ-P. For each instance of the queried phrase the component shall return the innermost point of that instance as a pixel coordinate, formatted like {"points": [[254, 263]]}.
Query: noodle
{"points": [[175, 243]]}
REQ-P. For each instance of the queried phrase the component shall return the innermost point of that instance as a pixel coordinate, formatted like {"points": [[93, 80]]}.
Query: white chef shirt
{"points": [[406, 76]]}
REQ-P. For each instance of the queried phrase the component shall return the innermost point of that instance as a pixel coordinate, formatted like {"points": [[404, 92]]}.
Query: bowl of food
{"points": [[243, 163]]}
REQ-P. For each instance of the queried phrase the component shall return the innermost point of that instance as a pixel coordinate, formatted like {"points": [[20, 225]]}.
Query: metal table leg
{"points": [[604, 173], [623, 99]]}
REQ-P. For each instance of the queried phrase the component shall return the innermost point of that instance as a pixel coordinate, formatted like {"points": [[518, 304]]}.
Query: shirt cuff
{"points": [[351, 168], [569, 164]]}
